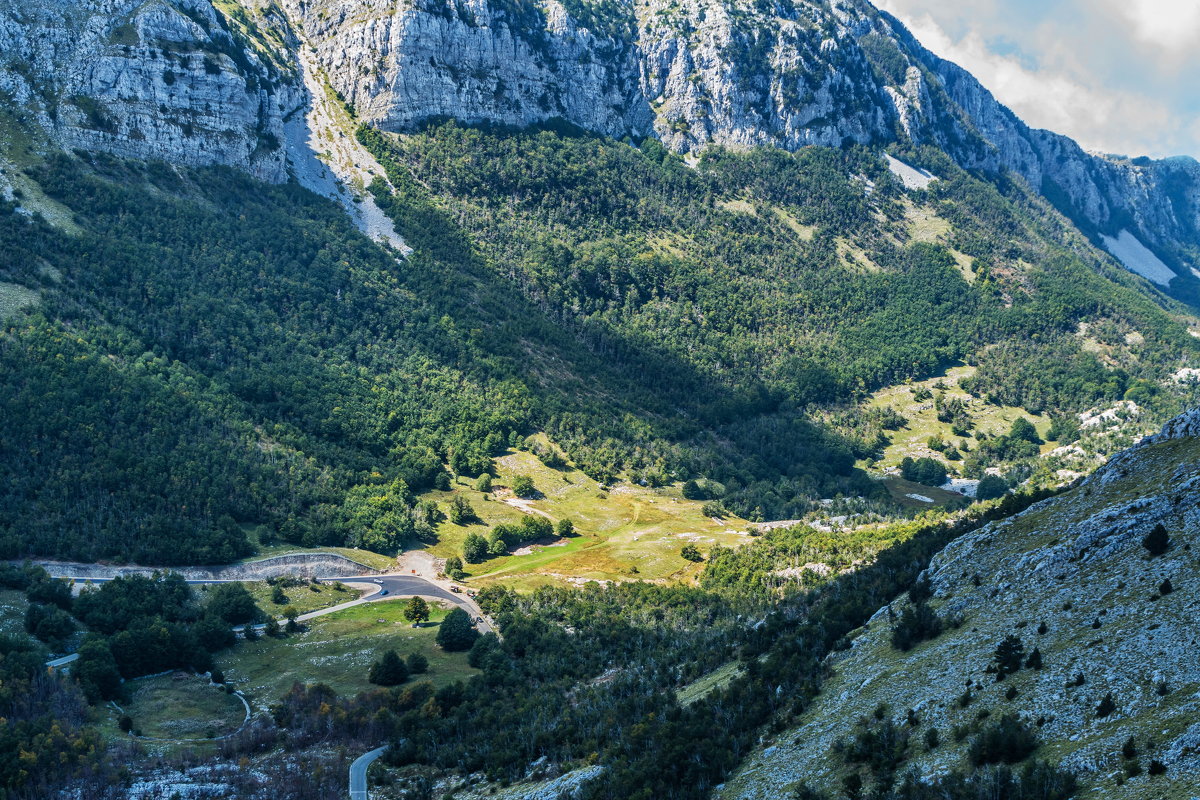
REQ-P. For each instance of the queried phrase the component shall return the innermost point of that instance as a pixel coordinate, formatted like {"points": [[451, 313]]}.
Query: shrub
{"points": [[49, 623], [1023, 430], [1165, 588], [921, 590], [388, 671], [1009, 656], [1035, 659], [417, 663], [475, 548], [460, 512], [691, 553], [1106, 707], [484, 484], [1007, 741], [1157, 767], [454, 568], [1157, 540], [917, 623], [1129, 749], [927, 471], [991, 487], [416, 610], [232, 603]]}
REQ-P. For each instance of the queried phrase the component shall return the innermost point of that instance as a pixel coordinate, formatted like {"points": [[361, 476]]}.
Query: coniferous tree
{"points": [[1035, 659], [388, 671], [418, 664], [456, 631], [1009, 656]]}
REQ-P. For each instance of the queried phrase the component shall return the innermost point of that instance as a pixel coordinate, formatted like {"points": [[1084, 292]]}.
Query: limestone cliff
{"points": [[158, 79], [180, 80], [729, 72]]}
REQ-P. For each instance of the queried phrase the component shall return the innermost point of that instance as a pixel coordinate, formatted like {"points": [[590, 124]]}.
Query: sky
{"points": [[1118, 76]]}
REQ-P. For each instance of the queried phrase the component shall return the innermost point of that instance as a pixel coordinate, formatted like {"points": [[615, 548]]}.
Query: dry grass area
{"points": [[923, 422], [337, 650], [13, 298], [182, 706], [626, 532]]}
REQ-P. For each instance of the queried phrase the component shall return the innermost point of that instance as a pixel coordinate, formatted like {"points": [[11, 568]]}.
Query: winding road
{"points": [[358, 773], [382, 587]]}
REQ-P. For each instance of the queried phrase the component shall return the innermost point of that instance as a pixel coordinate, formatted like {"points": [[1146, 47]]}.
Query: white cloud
{"points": [[1173, 25], [1053, 77]]}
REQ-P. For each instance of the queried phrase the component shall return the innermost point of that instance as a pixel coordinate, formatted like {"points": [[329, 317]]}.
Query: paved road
{"points": [[387, 588], [358, 773], [407, 585]]}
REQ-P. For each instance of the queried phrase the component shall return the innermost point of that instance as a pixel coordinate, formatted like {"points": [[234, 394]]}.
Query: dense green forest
{"points": [[210, 353]]}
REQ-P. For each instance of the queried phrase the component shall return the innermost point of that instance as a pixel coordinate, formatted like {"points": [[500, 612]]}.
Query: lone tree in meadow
{"points": [[522, 486], [460, 512], [416, 610], [1022, 429], [454, 568], [456, 632], [388, 671], [691, 553]]}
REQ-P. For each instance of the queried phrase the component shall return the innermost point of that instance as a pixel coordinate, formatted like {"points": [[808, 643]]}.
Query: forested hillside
{"points": [[208, 352]]}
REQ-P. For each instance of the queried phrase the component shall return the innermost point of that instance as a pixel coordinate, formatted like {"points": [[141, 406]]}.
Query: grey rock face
{"points": [[157, 79], [401, 63], [167, 79], [700, 72], [1069, 576]]}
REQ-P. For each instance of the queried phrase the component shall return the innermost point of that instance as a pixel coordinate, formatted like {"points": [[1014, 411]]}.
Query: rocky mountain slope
{"points": [[706, 72], [171, 81], [1113, 623], [182, 81]]}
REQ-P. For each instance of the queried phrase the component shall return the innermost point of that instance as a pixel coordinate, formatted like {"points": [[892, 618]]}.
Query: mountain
{"points": [[279, 276], [692, 74], [683, 306], [1076, 578], [169, 81], [195, 84]]}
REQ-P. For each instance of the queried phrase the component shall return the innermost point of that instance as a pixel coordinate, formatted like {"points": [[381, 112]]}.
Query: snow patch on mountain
{"points": [[1136, 257], [912, 177]]}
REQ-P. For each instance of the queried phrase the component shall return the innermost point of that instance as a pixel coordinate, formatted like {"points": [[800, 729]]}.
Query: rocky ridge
{"points": [[1071, 577], [158, 80], [181, 81], [726, 72]]}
